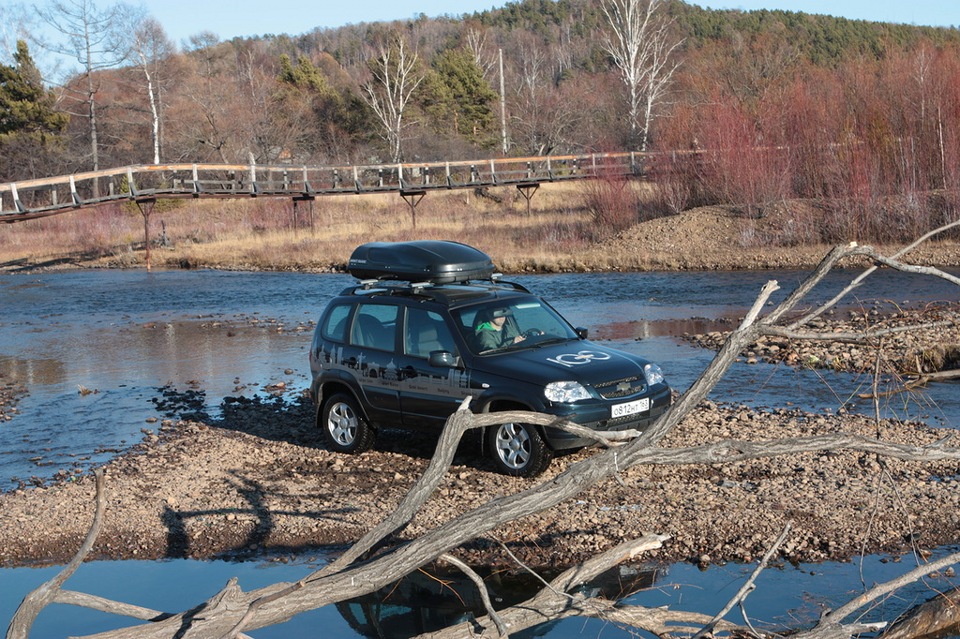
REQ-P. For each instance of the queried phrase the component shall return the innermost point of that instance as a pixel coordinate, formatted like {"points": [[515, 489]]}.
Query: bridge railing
{"points": [[48, 196]]}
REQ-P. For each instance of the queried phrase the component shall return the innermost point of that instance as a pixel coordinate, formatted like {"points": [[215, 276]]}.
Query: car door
{"points": [[372, 357], [429, 394]]}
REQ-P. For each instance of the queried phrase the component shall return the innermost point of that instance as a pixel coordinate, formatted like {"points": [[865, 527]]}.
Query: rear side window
{"points": [[375, 326], [426, 332], [335, 327]]}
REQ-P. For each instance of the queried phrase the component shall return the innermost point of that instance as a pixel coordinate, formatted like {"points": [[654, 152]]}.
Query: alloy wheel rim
{"points": [[513, 446], [342, 424]]}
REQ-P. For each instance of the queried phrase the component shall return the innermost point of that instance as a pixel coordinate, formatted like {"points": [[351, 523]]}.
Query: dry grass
{"points": [[262, 233]]}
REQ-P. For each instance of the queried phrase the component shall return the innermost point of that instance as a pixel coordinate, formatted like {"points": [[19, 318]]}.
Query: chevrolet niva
{"points": [[431, 323]]}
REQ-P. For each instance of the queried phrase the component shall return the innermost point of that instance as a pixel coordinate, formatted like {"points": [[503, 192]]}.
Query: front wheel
{"points": [[344, 427], [518, 449]]}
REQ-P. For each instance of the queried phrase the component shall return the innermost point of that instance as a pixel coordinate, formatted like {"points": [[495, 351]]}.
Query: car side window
{"points": [[335, 328], [425, 332], [375, 326]]}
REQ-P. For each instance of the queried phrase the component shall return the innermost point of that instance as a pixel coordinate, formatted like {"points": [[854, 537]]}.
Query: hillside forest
{"points": [[748, 109]]}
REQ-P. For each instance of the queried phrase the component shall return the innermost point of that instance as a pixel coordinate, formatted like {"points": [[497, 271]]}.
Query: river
{"points": [[95, 348]]}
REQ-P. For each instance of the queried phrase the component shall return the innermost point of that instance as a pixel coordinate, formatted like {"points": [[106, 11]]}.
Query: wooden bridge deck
{"points": [[30, 199]]}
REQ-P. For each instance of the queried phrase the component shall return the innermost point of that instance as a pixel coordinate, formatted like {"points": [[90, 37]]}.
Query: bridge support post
{"points": [[527, 189], [296, 212], [146, 209], [413, 198]]}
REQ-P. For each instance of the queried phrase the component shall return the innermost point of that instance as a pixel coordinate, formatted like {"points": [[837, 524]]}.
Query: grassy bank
{"points": [[569, 227]]}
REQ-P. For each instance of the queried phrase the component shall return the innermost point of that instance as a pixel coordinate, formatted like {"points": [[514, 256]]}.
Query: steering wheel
{"points": [[532, 332]]}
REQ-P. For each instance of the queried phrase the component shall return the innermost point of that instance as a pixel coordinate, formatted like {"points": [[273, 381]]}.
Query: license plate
{"points": [[630, 408]]}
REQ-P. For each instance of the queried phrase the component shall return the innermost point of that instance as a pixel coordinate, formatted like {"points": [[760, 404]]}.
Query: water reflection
{"points": [[32, 372], [124, 367], [431, 599]]}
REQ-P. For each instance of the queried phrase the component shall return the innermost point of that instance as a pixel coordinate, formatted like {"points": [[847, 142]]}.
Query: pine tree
{"points": [[27, 109]]}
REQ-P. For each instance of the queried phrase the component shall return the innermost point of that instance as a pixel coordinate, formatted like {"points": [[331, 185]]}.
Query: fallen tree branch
{"points": [[46, 593], [912, 384], [746, 588], [830, 625], [931, 618], [482, 590], [838, 253], [555, 600], [93, 602]]}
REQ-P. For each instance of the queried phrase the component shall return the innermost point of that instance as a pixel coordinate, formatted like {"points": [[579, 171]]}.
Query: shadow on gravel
{"points": [[290, 419], [277, 418], [258, 513]]}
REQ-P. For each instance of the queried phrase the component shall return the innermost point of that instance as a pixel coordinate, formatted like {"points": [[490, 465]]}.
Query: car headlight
{"points": [[653, 374], [565, 392]]}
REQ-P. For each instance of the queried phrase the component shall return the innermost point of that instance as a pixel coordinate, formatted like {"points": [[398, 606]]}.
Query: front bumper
{"points": [[597, 417]]}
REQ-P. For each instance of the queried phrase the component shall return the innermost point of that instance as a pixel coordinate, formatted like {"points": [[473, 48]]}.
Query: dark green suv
{"points": [[430, 323]]}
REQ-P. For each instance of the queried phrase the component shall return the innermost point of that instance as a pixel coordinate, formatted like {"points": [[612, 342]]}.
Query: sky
{"points": [[231, 18]]}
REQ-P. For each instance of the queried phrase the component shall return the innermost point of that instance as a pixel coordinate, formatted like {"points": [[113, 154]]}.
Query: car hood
{"points": [[580, 360]]}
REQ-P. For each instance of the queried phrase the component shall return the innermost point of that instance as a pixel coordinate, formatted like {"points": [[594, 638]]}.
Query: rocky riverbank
{"points": [[10, 394], [260, 482], [906, 342]]}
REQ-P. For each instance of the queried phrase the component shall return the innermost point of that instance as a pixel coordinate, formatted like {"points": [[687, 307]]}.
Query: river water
{"points": [[95, 348]]}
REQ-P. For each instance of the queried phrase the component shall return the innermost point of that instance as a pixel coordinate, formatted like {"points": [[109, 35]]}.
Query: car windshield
{"points": [[507, 324]]}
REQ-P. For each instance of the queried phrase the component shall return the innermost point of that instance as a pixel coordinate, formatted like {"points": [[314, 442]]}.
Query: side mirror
{"points": [[443, 359], [581, 332]]}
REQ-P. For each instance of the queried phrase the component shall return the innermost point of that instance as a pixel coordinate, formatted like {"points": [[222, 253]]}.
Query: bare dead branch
{"points": [[94, 602], [830, 625], [866, 273], [931, 618], [747, 587], [554, 601], [913, 268], [482, 589], [46, 593]]}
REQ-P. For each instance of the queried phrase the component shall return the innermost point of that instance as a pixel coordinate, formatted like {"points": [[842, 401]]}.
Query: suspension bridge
{"points": [[145, 184]]}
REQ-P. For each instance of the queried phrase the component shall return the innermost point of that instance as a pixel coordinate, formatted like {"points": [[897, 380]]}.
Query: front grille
{"points": [[622, 387]]}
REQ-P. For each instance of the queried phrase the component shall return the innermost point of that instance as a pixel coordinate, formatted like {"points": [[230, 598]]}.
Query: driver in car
{"points": [[495, 332]]}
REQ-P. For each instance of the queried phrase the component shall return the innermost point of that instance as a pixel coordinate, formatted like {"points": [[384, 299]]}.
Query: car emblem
{"points": [[576, 359], [623, 387]]}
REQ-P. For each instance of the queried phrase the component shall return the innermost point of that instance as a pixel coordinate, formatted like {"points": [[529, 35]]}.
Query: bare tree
{"points": [[543, 115], [395, 78], [209, 114], [476, 43], [639, 43], [151, 46], [232, 612], [94, 37]]}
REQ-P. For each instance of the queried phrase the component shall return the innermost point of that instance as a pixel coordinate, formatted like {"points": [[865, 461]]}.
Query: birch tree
{"points": [[639, 42], [396, 76], [151, 46]]}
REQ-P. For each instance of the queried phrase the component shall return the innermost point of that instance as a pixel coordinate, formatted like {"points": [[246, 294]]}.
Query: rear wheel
{"points": [[518, 449], [344, 427]]}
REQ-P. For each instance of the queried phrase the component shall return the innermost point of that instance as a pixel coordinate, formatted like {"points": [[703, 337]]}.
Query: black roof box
{"points": [[435, 261]]}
